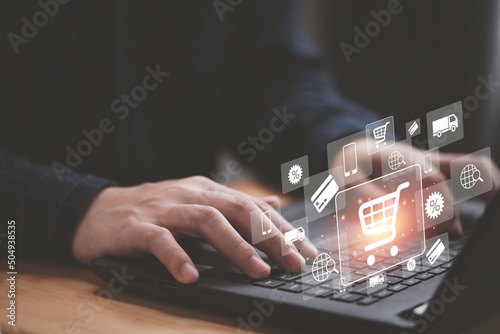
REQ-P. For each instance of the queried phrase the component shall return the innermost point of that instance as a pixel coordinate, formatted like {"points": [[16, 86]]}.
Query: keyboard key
{"points": [[327, 285], [274, 266], [365, 272], [240, 278], [368, 301], [437, 271], [269, 283], [383, 294], [348, 297], [397, 288], [421, 269], [411, 282], [401, 274], [293, 287], [284, 276], [393, 280], [424, 276], [319, 292], [447, 265], [308, 280], [365, 291], [454, 252], [357, 265]]}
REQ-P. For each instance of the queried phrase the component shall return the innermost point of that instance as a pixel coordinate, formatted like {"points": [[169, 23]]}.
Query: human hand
{"points": [[375, 161], [150, 217]]}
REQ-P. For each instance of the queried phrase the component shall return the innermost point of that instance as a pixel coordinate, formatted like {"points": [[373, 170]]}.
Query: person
{"points": [[114, 111]]}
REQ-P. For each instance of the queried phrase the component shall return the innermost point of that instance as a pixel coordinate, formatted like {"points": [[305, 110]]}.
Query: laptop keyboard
{"points": [[396, 281]]}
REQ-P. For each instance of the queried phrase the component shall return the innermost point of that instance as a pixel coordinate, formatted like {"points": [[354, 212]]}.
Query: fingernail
{"points": [[294, 260], [189, 272], [258, 266], [272, 198]]}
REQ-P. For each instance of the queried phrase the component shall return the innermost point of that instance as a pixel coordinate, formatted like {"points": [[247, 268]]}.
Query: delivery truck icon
{"points": [[294, 235], [444, 124]]}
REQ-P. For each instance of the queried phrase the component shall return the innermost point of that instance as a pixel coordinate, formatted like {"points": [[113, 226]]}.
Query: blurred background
{"points": [[430, 55]]}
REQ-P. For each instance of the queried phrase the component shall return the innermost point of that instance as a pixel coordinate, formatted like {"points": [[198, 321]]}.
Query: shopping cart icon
{"points": [[379, 216], [379, 134]]}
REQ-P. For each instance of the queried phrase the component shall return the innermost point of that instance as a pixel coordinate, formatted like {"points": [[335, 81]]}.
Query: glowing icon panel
{"points": [[324, 193], [469, 176], [396, 159], [379, 216], [380, 134], [380, 223], [322, 267], [434, 205]]}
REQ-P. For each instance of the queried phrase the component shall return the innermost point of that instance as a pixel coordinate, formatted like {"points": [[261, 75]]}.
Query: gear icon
{"points": [[434, 205], [295, 174], [411, 264]]}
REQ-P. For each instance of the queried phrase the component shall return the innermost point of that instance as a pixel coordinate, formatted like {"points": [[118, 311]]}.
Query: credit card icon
{"points": [[413, 128], [325, 193], [435, 252]]}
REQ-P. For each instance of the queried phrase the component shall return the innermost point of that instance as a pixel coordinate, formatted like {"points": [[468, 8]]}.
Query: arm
{"points": [[46, 210], [88, 217]]}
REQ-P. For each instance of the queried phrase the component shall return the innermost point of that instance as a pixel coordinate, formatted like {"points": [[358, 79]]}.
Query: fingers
{"points": [[162, 244], [273, 201], [237, 206], [242, 211], [307, 248], [237, 202], [208, 223]]}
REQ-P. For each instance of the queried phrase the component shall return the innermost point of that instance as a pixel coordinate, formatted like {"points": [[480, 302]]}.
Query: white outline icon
{"points": [[434, 205], [413, 128], [325, 193], [444, 124], [263, 222], [347, 148], [396, 159], [376, 280], [435, 252], [320, 267], [295, 174], [294, 235], [411, 264], [427, 163], [467, 179], [379, 134]]}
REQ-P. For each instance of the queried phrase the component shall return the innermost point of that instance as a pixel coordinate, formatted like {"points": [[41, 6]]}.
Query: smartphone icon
{"points": [[265, 221], [350, 159], [427, 163]]}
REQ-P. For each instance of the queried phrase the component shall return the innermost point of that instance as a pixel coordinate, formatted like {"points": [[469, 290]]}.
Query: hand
{"points": [[152, 216], [411, 153]]}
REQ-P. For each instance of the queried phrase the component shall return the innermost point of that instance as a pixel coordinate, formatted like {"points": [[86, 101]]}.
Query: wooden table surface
{"points": [[65, 298]]}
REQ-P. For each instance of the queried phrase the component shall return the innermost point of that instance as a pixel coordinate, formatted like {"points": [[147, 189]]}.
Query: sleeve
{"points": [[46, 210], [282, 73]]}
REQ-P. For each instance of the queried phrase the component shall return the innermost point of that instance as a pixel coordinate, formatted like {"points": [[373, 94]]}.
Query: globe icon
{"points": [[396, 159], [322, 267], [469, 176]]}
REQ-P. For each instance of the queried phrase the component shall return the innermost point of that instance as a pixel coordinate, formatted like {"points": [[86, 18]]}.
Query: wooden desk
{"points": [[64, 298]]}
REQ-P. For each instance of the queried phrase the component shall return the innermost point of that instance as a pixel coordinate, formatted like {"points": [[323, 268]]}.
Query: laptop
{"points": [[446, 297]]}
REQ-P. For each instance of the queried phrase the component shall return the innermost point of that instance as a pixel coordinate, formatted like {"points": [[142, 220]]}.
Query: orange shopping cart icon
{"points": [[379, 216]]}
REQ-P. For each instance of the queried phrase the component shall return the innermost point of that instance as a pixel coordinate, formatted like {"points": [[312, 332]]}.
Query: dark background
{"points": [[429, 56]]}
